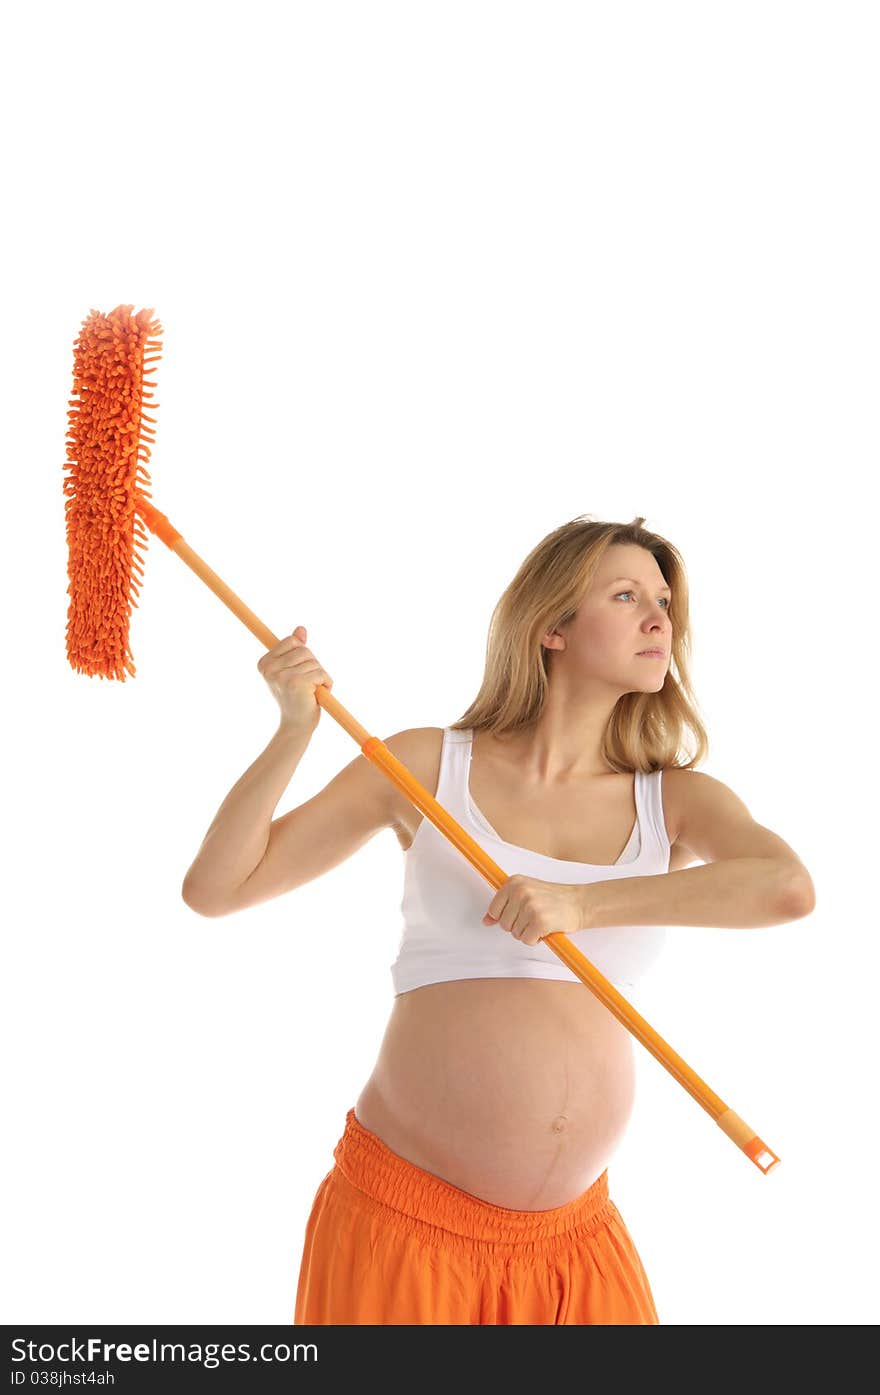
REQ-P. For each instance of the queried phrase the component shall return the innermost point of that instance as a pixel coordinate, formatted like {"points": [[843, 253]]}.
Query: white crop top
{"points": [[445, 897]]}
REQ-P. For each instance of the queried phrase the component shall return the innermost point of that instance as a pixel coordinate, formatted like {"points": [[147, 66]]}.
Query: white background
{"points": [[433, 279]]}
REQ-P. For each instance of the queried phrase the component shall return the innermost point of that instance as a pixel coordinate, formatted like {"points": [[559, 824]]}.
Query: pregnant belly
{"points": [[515, 1090]]}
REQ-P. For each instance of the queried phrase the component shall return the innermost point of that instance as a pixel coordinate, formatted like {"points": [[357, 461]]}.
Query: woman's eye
{"points": [[632, 593]]}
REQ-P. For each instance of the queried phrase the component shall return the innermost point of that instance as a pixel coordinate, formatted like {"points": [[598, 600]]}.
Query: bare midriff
{"points": [[517, 1090]]}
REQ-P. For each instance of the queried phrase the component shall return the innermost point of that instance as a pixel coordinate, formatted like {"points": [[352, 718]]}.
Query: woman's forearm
{"points": [[741, 892], [237, 839]]}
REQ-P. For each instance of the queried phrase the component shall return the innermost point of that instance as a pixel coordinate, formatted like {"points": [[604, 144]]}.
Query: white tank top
{"points": [[445, 897]]}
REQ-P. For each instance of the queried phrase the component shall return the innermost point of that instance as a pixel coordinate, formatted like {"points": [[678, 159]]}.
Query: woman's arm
{"points": [[236, 840], [752, 877]]}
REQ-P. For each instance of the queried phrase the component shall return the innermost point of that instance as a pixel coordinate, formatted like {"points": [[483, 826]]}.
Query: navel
{"points": [[560, 1123]]}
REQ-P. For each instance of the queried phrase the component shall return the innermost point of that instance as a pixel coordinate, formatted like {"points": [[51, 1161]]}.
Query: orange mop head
{"points": [[106, 454]]}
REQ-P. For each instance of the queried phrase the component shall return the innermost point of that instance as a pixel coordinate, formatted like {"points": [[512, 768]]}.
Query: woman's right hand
{"points": [[293, 673]]}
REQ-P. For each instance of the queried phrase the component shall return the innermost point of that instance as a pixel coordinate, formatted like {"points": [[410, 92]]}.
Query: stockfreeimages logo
{"points": [[95, 1351]]}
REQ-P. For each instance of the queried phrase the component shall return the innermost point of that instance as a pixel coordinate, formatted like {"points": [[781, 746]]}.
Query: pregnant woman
{"points": [[470, 1181]]}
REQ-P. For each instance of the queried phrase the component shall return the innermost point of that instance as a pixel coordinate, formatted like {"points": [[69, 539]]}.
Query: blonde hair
{"points": [[646, 730]]}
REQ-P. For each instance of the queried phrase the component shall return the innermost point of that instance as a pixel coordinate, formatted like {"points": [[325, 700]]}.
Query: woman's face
{"points": [[625, 611]]}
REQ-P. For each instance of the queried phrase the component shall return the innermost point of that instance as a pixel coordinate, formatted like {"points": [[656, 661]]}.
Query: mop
{"points": [[108, 510]]}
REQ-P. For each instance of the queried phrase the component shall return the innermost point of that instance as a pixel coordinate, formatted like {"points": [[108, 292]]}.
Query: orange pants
{"points": [[388, 1242]]}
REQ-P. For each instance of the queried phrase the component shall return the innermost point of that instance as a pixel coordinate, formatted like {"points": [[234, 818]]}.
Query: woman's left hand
{"points": [[531, 909]]}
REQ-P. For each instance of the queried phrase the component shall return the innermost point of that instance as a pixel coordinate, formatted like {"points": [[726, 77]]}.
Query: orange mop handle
{"points": [[376, 751]]}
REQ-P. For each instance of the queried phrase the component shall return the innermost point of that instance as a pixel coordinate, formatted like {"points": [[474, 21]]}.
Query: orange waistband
{"points": [[373, 1168]]}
